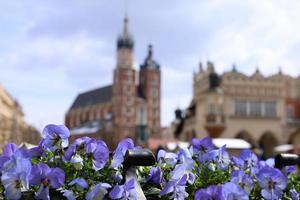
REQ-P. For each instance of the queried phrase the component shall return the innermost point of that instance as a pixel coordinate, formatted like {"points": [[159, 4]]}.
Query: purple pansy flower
{"points": [[250, 160], [290, 169], [294, 194], [100, 153], [201, 147], [167, 157], [79, 143], [218, 156], [69, 194], [212, 192], [177, 188], [16, 160], [55, 136], [8, 151], [265, 163], [79, 183], [233, 192], [155, 175], [126, 191], [43, 175], [118, 177], [16, 179], [97, 149], [184, 169], [120, 152], [237, 162], [242, 179], [98, 191], [183, 155], [272, 182]]}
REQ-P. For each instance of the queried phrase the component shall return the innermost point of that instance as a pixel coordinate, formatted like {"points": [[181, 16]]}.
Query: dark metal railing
{"points": [[133, 159], [285, 159]]}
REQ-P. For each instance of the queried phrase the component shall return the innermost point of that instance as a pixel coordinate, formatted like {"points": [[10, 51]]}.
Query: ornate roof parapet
{"points": [[210, 66], [200, 67], [257, 75]]}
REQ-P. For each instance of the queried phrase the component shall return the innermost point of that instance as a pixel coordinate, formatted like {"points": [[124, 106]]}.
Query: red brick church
{"points": [[130, 107]]}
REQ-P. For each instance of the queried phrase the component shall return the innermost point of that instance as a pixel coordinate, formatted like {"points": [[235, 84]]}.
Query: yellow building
{"points": [[12, 125], [265, 111]]}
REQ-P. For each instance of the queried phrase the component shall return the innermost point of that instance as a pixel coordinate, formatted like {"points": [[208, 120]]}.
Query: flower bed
{"points": [[87, 169]]}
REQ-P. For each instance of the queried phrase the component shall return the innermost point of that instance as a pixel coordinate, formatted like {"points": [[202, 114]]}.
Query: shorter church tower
{"points": [[150, 84], [124, 88]]}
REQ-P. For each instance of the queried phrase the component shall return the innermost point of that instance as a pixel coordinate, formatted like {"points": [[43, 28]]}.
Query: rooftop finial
{"points": [[125, 28], [280, 70], [150, 51], [200, 67], [233, 68], [257, 70]]}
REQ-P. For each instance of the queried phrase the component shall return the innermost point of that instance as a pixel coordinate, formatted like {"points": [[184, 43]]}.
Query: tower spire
{"points": [[150, 51], [125, 39], [125, 26]]}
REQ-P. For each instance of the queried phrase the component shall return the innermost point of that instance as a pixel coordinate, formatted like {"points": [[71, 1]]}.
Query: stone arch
{"points": [[294, 138], [245, 135], [267, 142]]}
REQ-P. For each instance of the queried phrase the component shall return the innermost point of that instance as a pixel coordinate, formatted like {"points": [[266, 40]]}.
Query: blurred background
{"points": [[160, 72]]}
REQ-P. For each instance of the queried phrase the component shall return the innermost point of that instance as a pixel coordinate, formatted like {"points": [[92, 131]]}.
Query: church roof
{"points": [[92, 97], [98, 96]]}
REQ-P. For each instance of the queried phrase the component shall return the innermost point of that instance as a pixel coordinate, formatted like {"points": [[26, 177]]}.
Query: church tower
{"points": [[150, 83], [124, 88]]}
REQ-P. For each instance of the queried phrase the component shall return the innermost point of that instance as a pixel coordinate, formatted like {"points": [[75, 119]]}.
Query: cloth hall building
{"points": [[263, 110]]}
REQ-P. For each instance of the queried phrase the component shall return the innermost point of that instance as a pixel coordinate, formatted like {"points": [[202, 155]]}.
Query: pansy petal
{"points": [[116, 192], [56, 177]]}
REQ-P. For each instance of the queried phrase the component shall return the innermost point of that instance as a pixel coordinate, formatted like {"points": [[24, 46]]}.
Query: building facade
{"points": [[265, 111], [130, 107], [12, 125]]}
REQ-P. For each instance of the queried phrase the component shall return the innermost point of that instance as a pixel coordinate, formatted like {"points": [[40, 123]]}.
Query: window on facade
{"points": [[129, 101], [211, 109], [240, 108], [142, 80], [155, 92], [255, 108], [91, 115], [142, 115], [154, 80], [290, 112], [270, 109]]}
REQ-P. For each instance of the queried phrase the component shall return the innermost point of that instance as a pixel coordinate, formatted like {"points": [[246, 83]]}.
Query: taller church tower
{"points": [[124, 88]]}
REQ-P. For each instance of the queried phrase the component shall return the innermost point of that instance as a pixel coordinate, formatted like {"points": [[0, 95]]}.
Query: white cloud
{"points": [[51, 50]]}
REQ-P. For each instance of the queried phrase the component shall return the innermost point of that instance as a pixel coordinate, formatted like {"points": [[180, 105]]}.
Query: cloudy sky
{"points": [[52, 50]]}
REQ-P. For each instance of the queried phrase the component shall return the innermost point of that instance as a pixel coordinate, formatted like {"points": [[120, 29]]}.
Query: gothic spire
{"points": [[125, 40], [125, 26]]}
